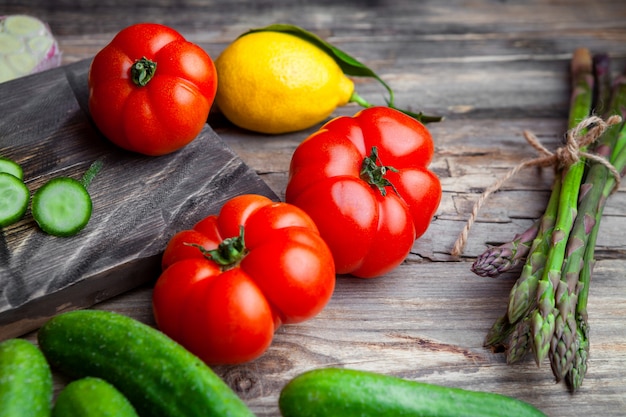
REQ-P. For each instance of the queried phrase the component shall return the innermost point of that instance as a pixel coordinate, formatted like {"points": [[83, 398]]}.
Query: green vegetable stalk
{"points": [[547, 311], [499, 259], [577, 372], [519, 342], [594, 193], [544, 317], [524, 294]]}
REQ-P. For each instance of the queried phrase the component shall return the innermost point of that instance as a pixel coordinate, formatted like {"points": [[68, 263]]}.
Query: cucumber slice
{"points": [[14, 196], [62, 206], [11, 167]]}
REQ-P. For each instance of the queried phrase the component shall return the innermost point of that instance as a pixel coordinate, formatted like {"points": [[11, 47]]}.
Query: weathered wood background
{"points": [[493, 68]]}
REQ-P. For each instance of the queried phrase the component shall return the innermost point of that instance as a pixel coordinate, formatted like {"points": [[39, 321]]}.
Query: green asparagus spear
{"points": [[577, 371], [547, 311], [502, 258], [498, 333], [593, 195], [564, 340], [543, 318], [523, 295], [508, 330], [603, 83], [519, 342], [524, 292]]}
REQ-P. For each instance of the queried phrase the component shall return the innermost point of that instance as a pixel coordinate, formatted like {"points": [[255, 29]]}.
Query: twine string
{"points": [[584, 134]]}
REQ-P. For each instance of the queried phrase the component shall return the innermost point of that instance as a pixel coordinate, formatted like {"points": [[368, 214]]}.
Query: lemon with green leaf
{"points": [[281, 78]]}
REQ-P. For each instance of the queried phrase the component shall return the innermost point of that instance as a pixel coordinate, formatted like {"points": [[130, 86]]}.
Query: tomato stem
{"points": [[374, 174], [420, 117], [142, 71], [229, 252]]}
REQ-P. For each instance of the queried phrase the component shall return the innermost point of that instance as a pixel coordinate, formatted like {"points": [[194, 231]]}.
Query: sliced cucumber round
{"points": [[62, 207], [14, 196], [11, 167]]}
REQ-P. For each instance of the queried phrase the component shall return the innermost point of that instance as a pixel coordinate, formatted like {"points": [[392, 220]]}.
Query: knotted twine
{"points": [[584, 134]]}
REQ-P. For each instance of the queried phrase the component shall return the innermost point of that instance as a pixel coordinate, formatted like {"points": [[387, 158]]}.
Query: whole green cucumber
{"points": [[25, 380], [92, 397], [157, 375], [351, 393]]}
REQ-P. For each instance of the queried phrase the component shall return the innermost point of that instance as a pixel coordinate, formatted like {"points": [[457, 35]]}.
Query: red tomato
{"points": [[150, 90], [364, 181], [262, 264]]}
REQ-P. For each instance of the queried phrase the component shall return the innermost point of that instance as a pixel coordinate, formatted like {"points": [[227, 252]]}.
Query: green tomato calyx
{"points": [[228, 253], [374, 174], [142, 71]]}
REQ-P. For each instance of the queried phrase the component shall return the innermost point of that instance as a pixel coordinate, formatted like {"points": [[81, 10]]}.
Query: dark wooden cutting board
{"points": [[139, 201]]}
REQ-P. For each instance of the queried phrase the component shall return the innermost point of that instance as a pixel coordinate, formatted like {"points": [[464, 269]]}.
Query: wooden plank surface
{"points": [[493, 69]]}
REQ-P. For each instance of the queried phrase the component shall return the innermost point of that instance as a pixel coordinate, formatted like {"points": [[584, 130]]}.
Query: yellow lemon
{"points": [[274, 82]]}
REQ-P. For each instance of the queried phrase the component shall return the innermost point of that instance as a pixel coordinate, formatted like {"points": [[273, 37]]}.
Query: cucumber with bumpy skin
{"points": [[157, 375], [25, 380], [92, 397], [351, 393]]}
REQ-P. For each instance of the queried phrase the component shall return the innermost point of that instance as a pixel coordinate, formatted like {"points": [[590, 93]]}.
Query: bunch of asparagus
{"points": [[547, 310]]}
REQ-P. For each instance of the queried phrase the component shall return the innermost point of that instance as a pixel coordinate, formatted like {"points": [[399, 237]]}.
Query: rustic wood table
{"points": [[493, 69]]}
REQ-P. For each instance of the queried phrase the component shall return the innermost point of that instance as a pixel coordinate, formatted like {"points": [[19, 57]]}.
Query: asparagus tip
{"points": [[582, 61]]}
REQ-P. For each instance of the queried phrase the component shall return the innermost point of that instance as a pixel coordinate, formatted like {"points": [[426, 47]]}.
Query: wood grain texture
{"points": [[492, 68], [139, 201]]}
